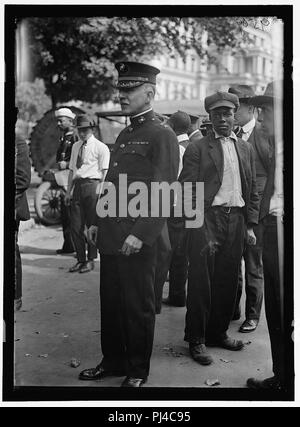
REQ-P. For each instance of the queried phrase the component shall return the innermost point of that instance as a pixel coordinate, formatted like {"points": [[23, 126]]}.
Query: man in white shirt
{"points": [[249, 130], [88, 166]]}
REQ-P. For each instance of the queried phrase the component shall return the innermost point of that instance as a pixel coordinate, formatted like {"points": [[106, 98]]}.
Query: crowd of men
{"points": [[239, 159]]}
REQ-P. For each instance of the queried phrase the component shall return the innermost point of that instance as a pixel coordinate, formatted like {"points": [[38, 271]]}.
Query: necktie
{"points": [[239, 132], [80, 156]]}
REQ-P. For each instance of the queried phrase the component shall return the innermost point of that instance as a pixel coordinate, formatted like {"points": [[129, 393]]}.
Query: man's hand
{"points": [[62, 165], [132, 245], [251, 238], [92, 234], [68, 198]]}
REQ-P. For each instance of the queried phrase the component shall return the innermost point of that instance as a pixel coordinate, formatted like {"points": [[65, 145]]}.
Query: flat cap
{"points": [[134, 74], [65, 112], [243, 92], [221, 99]]}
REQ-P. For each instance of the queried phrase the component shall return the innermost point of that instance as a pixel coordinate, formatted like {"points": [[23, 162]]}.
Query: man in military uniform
{"points": [[249, 130], [65, 121], [147, 152], [225, 164]]}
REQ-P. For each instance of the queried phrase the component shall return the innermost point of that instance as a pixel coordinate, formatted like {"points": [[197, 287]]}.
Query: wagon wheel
{"points": [[47, 203]]}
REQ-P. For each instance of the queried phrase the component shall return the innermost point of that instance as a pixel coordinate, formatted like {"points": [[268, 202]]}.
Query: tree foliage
{"points": [[31, 100], [76, 56]]}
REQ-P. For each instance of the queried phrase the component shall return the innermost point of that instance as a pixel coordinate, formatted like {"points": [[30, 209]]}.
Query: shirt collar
{"points": [[193, 133], [90, 139], [182, 137], [249, 126], [231, 136]]}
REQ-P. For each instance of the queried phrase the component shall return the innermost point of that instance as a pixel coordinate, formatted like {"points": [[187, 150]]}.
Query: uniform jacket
{"points": [[22, 179], [65, 146], [147, 151], [203, 161], [263, 155]]}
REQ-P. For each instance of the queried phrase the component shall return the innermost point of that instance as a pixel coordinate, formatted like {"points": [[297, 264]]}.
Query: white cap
{"points": [[65, 112]]}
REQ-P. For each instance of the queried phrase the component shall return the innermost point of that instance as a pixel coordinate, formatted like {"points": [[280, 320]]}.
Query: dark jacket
{"points": [[196, 137], [263, 154], [146, 151], [22, 179], [65, 146], [203, 161]]}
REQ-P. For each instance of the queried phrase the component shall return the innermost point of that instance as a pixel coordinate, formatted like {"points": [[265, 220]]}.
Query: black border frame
{"points": [[13, 13]]}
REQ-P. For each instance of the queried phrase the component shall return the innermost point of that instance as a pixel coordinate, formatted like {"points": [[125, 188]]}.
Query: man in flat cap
{"points": [[271, 214], [145, 152], [65, 121], [226, 166], [249, 130], [88, 166]]}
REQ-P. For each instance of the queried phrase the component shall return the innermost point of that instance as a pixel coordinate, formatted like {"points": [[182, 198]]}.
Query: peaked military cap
{"points": [[243, 92], [221, 99], [84, 122], [134, 74], [273, 91]]}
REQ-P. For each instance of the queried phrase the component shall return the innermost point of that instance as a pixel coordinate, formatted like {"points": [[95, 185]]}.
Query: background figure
{"points": [[194, 131], [88, 165], [226, 166], [249, 130], [177, 264], [271, 214], [22, 176], [146, 151], [65, 121]]}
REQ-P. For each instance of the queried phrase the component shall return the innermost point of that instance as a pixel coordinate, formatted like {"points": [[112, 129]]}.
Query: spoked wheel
{"points": [[47, 203]]}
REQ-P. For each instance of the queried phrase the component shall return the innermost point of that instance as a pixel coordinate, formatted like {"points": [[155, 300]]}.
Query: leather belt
{"points": [[227, 209]]}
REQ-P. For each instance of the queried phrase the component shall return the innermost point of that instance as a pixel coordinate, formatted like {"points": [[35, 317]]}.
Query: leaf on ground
{"points": [[37, 332], [248, 342], [74, 362], [56, 313], [28, 355], [43, 355], [18, 339], [81, 292], [212, 383]]}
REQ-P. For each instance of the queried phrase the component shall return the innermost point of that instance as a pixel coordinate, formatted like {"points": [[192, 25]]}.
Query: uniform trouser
{"points": [[178, 270], [83, 208], [273, 305], [215, 252], [128, 311], [18, 265], [66, 226], [254, 278]]}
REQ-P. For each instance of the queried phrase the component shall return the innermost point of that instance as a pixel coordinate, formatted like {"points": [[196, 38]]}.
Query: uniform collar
{"points": [[249, 126], [143, 117]]}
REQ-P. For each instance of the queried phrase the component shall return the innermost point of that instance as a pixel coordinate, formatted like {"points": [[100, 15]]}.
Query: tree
{"points": [[76, 56], [31, 100]]}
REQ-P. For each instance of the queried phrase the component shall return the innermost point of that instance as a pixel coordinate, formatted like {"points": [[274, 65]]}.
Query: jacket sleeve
{"points": [[253, 207], [165, 161], [23, 168]]}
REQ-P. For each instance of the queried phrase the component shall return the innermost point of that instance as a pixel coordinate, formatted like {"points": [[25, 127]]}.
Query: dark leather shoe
{"points": [[168, 301], [248, 326], [268, 384], [133, 382], [87, 266], [94, 374], [227, 343], [65, 252], [200, 354], [76, 267]]}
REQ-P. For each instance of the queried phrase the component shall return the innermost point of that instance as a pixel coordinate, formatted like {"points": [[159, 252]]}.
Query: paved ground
{"points": [[59, 321]]}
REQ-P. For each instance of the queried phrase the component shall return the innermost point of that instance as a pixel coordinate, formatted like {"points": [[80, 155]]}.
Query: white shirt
{"points": [[230, 192], [96, 157], [248, 129], [277, 200]]}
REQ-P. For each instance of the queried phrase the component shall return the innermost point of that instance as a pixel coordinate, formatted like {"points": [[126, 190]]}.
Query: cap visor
{"points": [[222, 103]]}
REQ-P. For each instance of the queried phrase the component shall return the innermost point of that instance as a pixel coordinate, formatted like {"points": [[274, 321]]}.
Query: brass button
{"points": [[122, 145], [115, 164]]}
